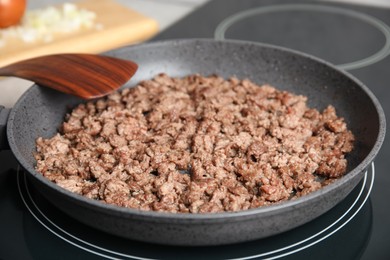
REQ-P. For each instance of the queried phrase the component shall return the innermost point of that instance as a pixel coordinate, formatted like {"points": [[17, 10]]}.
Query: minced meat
{"points": [[195, 145]]}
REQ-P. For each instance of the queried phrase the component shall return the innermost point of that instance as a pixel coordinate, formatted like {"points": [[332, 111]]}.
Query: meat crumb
{"points": [[196, 145]]}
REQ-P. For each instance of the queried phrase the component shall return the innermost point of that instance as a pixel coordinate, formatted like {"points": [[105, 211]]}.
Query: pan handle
{"points": [[4, 112]]}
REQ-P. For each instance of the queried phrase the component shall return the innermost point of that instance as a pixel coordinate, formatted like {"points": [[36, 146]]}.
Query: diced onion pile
{"points": [[42, 24]]}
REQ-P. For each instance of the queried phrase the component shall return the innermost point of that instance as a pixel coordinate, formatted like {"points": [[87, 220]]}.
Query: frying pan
{"points": [[40, 111]]}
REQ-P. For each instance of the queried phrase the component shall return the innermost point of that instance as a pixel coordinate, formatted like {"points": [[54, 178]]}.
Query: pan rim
{"points": [[284, 206]]}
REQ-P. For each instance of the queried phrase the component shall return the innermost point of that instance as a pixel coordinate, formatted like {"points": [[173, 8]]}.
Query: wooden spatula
{"points": [[85, 75]]}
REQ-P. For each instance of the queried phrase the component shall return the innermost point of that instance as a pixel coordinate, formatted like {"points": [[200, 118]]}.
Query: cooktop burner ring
{"points": [[39, 214], [223, 26]]}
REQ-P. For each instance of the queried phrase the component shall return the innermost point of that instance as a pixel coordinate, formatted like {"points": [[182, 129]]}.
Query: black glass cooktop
{"points": [[355, 38]]}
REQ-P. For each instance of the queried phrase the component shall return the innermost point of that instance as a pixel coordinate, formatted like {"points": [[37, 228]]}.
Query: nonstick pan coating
{"points": [[40, 111]]}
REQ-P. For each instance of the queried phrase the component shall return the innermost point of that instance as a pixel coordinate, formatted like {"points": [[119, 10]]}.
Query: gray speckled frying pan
{"points": [[40, 111]]}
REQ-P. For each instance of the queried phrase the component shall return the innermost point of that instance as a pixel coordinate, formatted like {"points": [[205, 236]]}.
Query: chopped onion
{"points": [[42, 24]]}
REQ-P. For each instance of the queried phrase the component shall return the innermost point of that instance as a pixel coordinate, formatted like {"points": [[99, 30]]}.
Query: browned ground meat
{"points": [[196, 144]]}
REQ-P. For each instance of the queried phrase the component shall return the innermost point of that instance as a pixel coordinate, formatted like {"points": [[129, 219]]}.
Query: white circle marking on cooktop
{"points": [[221, 29], [327, 228], [61, 233], [64, 232]]}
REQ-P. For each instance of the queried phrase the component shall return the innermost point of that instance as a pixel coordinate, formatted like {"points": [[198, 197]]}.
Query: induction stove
{"points": [[354, 38]]}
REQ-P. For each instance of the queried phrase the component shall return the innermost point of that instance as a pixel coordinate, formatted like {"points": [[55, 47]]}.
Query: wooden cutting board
{"points": [[120, 26]]}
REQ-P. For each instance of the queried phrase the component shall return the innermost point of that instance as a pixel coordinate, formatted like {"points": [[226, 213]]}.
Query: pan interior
{"points": [[40, 111]]}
